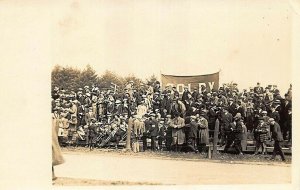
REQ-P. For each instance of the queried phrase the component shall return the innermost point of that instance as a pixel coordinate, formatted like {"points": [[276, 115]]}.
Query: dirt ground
{"points": [[118, 167], [219, 157]]}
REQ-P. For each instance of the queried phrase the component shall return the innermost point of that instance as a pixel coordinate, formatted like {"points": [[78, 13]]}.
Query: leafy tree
{"points": [[87, 77], [110, 77], [151, 80], [137, 82], [65, 77], [70, 78]]}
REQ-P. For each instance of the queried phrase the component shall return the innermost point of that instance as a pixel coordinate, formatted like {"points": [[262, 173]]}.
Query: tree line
{"points": [[70, 78]]}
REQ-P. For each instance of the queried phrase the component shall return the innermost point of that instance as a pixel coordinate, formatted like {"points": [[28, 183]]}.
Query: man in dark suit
{"points": [[185, 94], [274, 114], [277, 136], [196, 94], [258, 89], [153, 129], [232, 107], [192, 133], [283, 112], [81, 115], [226, 118]]}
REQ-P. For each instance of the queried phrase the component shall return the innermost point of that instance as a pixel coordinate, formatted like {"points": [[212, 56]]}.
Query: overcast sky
{"points": [[248, 40]]}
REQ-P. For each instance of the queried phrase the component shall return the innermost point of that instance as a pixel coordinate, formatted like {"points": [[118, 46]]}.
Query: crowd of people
{"points": [[171, 120]]}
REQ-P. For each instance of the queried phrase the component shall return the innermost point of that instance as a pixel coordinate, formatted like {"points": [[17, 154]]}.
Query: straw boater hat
{"points": [[238, 116], [271, 119]]}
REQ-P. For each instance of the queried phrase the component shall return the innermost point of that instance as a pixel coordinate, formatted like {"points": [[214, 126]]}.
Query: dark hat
{"points": [[202, 113], [277, 102], [260, 118]]}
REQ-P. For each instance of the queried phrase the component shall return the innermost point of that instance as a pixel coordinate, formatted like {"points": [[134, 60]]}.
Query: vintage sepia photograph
{"points": [[172, 93], [149, 94]]}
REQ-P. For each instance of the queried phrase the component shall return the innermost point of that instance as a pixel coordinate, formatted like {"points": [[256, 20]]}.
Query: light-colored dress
{"points": [[57, 157]]}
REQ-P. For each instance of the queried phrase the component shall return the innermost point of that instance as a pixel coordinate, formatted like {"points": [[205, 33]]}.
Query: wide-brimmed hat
{"points": [[238, 116]]}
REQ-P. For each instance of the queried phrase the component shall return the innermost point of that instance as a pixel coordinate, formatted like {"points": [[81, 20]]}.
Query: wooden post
{"points": [[130, 125], [216, 132], [209, 151]]}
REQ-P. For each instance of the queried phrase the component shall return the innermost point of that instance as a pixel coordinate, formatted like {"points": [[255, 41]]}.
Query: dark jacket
{"points": [[276, 132], [238, 130], [153, 128], [226, 120], [275, 115], [193, 129]]}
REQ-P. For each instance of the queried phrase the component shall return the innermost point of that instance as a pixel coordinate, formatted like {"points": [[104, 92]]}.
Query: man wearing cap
{"points": [[258, 89], [230, 131], [261, 136], [73, 108], [203, 132], [195, 93], [274, 114], [72, 127], [193, 134], [277, 136], [232, 107], [118, 108], [161, 133], [156, 101], [174, 93], [284, 115], [120, 131], [178, 134], [225, 120], [178, 107], [238, 133], [92, 133], [166, 103], [81, 110], [167, 124], [240, 109], [268, 96], [156, 87], [153, 130], [80, 97], [234, 87], [89, 115], [185, 94]]}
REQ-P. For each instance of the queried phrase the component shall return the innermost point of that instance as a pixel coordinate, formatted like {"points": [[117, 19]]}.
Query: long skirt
{"points": [[57, 157]]}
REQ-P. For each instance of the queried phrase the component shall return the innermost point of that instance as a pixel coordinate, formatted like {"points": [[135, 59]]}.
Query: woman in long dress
{"points": [[57, 157]]}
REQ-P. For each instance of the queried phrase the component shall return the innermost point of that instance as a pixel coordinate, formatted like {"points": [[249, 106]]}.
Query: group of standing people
{"points": [[172, 120]]}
